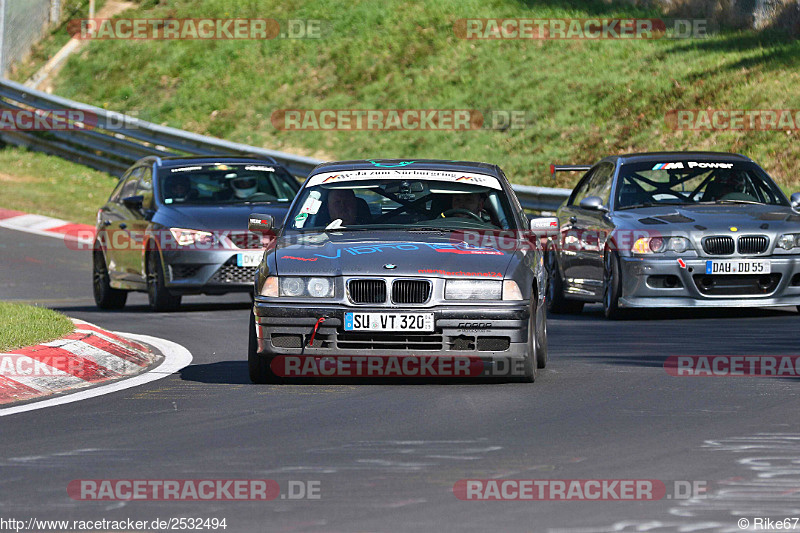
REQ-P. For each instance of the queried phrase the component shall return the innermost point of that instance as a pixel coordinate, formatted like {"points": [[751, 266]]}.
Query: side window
{"points": [[515, 203], [129, 189], [601, 182], [145, 188], [582, 190], [115, 195]]}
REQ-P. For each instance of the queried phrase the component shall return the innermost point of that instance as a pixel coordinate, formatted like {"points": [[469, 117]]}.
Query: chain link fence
{"points": [[22, 24]]}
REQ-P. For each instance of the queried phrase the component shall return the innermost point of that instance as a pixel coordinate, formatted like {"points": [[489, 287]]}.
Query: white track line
{"points": [[176, 357]]}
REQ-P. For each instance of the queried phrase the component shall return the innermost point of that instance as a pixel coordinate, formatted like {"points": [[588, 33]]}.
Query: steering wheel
{"points": [[462, 212], [261, 197]]}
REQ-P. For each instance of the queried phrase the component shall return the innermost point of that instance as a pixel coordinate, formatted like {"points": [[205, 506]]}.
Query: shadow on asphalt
{"points": [[226, 372], [236, 373]]}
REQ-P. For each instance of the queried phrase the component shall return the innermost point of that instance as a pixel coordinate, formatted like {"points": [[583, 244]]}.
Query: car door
{"points": [[569, 225], [129, 250], [137, 226], [112, 219], [594, 227]]}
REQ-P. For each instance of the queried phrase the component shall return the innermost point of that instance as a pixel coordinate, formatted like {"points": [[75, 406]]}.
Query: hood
{"points": [[712, 217], [362, 253], [215, 217]]}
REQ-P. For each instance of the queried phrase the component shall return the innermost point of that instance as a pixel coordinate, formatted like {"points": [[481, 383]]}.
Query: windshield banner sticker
{"points": [[439, 175]]}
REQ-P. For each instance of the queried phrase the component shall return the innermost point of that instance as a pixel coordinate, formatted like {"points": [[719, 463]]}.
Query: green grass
{"points": [[46, 185], [584, 99], [56, 38], [25, 325]]}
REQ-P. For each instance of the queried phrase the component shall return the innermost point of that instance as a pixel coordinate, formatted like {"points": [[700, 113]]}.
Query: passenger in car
{"points": [[345, 205]]}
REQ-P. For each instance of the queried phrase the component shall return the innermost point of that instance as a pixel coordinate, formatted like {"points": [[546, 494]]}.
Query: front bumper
{"points": [[208, 271], [649, 282], [489, 333]]}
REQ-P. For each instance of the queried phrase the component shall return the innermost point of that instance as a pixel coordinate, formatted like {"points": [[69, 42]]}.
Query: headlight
{"points": [[292, 286], [678, 244], [789, 241], [320, 287], [468, 289], [187, 237], [657, 245], [303, 287]]}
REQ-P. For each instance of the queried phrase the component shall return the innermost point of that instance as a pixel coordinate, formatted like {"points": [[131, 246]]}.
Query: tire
{"points": [[612, 283], [556, 303], [258, 365], [530, 366], [105, 296], [541, 337], [158, 295]]}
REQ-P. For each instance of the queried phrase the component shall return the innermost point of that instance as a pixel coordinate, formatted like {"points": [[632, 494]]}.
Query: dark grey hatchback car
{"points": [[176, 226]]}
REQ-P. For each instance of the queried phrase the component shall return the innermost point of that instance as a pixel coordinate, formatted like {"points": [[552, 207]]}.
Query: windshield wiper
{"points": [[645, 204], [426, 229], [750, 202]]}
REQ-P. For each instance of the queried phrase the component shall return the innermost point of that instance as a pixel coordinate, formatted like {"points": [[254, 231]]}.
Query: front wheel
{"points": [[556, 303], [158, 296], [257, 365], [530, 367], [541, 337], [105, 296], [612, 287]]}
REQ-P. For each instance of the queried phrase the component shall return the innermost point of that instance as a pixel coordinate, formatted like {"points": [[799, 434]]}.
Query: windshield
{"points": [[695, 182], [354, 202], [227, 184]]}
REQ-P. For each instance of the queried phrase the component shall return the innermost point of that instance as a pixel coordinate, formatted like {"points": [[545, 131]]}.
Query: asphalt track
{"points": [[386, 456]]}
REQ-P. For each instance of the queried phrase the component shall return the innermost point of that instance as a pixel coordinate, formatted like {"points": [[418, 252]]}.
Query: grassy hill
{"points": [[584, 99]]}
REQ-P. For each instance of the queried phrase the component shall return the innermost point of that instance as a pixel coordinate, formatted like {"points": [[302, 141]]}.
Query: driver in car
{"points": [[342, 204], [472, 202], [244, 187], [178, 187]]}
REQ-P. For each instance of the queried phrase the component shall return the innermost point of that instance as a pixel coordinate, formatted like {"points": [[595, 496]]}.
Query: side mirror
{"points": [[544, 224], [133, 202], [796, 200], [260, 223], [542, 230], [593, 203]]}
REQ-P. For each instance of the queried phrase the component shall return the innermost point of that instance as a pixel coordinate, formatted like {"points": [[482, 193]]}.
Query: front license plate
{"points": [[738, 267], [249, 259], [388, 321]]}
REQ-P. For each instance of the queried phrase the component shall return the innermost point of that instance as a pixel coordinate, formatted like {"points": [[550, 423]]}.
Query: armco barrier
{"points": [[115, 141]]}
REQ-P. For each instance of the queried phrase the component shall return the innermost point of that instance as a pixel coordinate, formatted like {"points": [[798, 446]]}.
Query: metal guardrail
{"points": [[117, 141]]}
